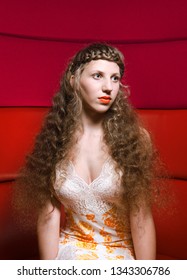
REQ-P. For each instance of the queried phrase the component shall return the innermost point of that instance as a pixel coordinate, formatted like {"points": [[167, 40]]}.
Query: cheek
{"points": [[84, 90], [86, 93], [88, 90], [84, 87], [116, 90]]}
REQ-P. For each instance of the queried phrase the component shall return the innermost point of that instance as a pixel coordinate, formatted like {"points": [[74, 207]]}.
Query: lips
{"points": [[105, 99]]}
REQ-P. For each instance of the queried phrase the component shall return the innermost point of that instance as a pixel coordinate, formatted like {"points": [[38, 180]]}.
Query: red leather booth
{"points": [[36, 41]]}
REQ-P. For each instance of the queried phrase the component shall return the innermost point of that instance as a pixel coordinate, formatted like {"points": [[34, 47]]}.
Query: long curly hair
{"points": [[128, 143]]}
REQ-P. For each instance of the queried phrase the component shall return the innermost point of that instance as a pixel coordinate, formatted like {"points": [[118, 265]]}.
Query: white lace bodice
{"points": [[98, 196], [96, 226]]}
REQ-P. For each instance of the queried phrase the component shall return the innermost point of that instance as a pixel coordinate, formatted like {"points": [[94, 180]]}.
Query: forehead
{"points": [[102, 65]]}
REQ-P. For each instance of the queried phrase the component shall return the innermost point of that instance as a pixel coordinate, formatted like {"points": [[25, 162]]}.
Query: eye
{"points": [[115, 78], [96, 76]]}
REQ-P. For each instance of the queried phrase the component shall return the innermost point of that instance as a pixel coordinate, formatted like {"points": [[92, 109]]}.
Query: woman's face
{"points": [[99, 85]]}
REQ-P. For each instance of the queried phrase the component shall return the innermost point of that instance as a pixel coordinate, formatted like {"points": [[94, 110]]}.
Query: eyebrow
{"points": [[99, 71]]}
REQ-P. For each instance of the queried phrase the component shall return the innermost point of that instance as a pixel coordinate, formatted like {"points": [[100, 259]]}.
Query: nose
{"points": [[107, 86]]}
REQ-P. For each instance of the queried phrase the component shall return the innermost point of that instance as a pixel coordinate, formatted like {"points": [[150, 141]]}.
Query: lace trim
{"points": [[97, 178], [96, 197]]}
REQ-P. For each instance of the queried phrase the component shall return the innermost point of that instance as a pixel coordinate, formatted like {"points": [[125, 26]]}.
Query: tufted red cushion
{"points": [[18, 128], [171, 224], [167, 126]]}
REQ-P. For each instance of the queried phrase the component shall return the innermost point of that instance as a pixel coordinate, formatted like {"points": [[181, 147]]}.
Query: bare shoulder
{"points": [[145, 133], [146, 137]]}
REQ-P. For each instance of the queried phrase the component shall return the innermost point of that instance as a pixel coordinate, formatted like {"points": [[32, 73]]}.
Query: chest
{"points": [[99, 196], [89, 159], [89, 167]]}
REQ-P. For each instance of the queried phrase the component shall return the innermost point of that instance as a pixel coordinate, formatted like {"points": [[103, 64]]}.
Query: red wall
{"points": [[38, 37]]}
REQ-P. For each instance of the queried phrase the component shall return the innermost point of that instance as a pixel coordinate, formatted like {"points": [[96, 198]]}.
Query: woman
{"points": [[93, 157]]}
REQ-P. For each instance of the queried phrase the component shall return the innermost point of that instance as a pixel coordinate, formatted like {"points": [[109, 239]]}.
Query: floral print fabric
{"points": [[96, 225]]}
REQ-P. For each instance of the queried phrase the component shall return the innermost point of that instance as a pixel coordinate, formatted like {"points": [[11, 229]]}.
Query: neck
{"points": [[91, 122]]}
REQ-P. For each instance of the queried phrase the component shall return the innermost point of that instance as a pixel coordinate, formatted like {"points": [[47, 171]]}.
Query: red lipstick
{"points": [[105, 99]]}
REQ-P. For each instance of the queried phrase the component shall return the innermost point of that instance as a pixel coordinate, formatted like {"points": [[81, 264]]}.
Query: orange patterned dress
{"points": [[96, 226]]}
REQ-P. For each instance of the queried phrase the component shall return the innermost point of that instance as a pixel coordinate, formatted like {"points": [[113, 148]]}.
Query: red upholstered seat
{"points": [[166, 127]]}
